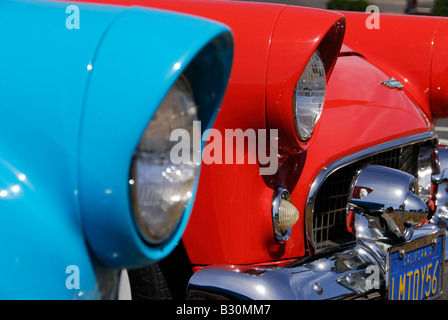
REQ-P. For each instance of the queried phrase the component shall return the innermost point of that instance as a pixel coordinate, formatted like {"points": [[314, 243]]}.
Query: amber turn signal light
{"points": [[284, 214]]}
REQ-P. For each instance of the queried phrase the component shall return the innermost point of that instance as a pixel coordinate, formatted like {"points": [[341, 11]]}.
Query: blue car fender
{"points": [[74, 103]]}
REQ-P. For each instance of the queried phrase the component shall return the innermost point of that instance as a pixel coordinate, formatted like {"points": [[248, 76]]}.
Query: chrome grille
{"points": [[329, 224]]}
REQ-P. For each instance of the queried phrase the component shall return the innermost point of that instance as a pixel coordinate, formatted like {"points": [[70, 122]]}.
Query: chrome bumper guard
{"points": [[352, 273], [383, 213]]}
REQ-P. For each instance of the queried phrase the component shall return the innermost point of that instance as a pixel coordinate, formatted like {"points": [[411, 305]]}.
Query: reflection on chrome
{"points": [[390, 211], [425, 170], [385, 214], [440, 217]]}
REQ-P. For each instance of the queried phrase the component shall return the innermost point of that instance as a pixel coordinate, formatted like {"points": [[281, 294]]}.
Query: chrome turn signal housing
{"points": [[284, 215]]}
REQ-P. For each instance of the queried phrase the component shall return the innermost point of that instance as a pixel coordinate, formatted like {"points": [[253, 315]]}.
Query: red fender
{"points": [[412, 49]]}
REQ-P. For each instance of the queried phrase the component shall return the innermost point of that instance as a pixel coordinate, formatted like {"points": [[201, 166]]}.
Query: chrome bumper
{"points": [[353, 273], [383, 213]]}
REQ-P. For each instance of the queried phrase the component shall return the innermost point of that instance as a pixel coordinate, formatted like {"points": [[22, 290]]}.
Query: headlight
{"points": [[161, 189], [309, 97]]}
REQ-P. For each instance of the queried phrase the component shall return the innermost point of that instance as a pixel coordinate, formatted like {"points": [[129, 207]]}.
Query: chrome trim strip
{"points": [[331, 168]]}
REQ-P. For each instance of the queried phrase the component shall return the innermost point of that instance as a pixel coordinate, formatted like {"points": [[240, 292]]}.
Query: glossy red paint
{"points": [[439, 72], [412, 49], [231, 220], [290, 45]]}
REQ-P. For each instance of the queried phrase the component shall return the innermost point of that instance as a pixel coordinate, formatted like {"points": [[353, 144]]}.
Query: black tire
{"points": [[148, 284], [166, 280]]}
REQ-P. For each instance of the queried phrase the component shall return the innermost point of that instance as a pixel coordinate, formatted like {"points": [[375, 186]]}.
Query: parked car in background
{"points": [[420, 6], [356, 207], [87, 109]]}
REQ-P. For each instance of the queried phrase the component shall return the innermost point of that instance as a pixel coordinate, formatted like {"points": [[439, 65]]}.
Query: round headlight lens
{"points": [[161, 188], [309, 97]]}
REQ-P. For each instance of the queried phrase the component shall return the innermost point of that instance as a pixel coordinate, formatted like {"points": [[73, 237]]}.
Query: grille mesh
{"points": [[329, 224]]}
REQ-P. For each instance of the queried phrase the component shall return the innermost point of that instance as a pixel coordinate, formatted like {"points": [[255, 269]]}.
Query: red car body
{"points": [[231, 223]]}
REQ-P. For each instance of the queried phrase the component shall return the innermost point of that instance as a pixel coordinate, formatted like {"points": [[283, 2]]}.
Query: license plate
{"points": [[416, 268]]}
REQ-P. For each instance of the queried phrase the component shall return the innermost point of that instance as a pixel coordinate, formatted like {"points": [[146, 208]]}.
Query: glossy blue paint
{"points": [[68, 134], [124, 91]]}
